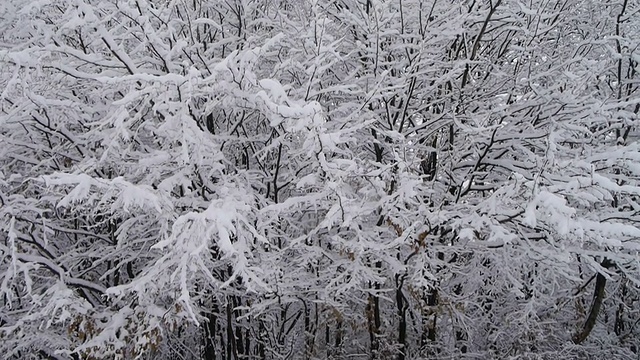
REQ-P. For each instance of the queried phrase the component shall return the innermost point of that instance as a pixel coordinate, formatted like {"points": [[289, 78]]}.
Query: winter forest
{"points": [[319, 179]]}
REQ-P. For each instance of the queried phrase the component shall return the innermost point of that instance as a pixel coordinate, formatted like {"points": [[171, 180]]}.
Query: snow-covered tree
{"points": [[319, 179]]}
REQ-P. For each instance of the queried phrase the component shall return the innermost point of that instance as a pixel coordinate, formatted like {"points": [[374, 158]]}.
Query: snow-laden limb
{"points": [[197, 250]]}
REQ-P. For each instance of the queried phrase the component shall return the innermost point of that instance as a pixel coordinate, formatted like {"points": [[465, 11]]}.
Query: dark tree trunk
{"points": [[209, 337], [598, 297], [402, 322]]}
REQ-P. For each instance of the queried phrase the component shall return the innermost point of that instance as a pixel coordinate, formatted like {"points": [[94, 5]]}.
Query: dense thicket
{"points": [[314, 179]]}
